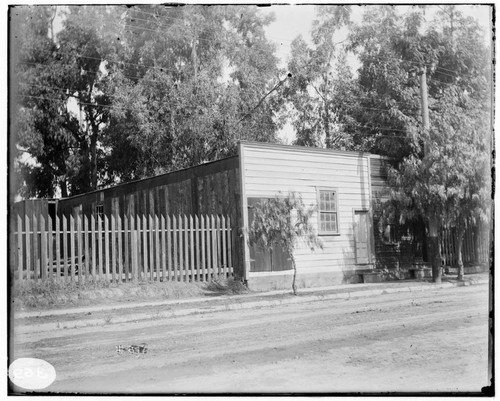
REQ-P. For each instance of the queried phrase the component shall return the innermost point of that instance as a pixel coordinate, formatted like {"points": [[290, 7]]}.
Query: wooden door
{"points": [[362, 236]]}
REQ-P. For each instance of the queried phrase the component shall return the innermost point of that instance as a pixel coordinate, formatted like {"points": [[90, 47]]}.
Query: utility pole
{"points": [[433, 219]]}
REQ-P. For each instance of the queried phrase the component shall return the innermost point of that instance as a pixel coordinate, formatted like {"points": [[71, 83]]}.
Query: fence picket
{"points": [[43, 249], [175, 248], [151, 253], [224, 248], [191, 249], [28, 247], [79, 247], [72, 246], [145, 265], [181, 249], [86, 265], [169, 249], [113, 247], [94, 261], [50, 256], [58, 248], [109, 247], [36, 250], [162, 251], [209, 248], [157, 248], [197, 247], [218, 245], [106, 247], [230, 245], [204, 274], [126, 255], [134, 248], [65, 248], [121, 238], [100, 265], [214, 246]]}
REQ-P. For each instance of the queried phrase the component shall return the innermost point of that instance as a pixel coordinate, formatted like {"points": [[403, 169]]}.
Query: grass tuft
{"points": [[226, 286]]}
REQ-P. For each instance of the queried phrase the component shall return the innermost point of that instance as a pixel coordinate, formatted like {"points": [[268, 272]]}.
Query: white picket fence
{"points": [[180, 248]]}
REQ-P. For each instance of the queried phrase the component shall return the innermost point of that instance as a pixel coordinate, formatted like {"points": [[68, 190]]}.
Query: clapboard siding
{"points": [[269, 169]]}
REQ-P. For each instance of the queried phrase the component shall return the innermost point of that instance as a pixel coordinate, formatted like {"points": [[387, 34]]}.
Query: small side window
{"points": [[327, 212]]}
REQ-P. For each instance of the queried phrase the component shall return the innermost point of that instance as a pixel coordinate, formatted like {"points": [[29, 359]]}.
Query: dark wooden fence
{"points": [[146, 247], [475, 248]]}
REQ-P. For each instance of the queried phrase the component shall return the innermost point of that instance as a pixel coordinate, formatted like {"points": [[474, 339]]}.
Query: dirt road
{"points": [[419, 342]]}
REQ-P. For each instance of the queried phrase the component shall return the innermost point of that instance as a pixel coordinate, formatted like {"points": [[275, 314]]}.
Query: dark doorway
{"points": [[261, 260]]}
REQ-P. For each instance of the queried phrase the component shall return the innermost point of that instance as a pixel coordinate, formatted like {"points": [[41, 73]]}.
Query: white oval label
{"points": [[31, 373]]}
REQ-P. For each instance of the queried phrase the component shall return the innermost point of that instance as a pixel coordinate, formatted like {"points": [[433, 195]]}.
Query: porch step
{"points": [[371, 276]]}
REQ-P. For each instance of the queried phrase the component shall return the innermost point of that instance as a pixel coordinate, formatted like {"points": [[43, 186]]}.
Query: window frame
{"points": [[336, 212]]}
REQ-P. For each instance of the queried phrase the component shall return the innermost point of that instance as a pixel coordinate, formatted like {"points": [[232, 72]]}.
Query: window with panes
{"points": [[327, 211]]}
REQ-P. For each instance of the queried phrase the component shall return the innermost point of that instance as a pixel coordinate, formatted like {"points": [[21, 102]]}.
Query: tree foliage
{"points": [[117, 93], [322, 86]]}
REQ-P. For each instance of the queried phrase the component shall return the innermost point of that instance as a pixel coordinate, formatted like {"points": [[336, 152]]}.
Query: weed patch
{"points": [[57, 293], [226, 286]]}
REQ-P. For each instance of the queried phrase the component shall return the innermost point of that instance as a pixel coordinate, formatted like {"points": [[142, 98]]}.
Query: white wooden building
{"points": [[338, 183]]}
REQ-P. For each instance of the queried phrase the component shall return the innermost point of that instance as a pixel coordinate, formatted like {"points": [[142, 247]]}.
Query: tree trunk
{"points": [[459, 240], [93, 160], [64, 187], [433, 247], [294, 285], [328, 138]]}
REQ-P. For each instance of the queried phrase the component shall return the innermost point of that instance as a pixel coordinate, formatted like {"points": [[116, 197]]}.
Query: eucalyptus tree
{"points": [[322, 85], [186, 90], [61, 105]]}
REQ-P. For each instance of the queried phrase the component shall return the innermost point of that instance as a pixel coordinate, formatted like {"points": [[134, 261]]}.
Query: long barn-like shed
{"points": [[341, 185]]}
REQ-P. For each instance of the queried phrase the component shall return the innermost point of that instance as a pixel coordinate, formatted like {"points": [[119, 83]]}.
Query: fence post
{"points": [[20, 247]]}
